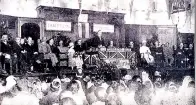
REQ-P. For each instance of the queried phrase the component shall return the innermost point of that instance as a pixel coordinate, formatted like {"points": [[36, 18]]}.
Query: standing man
{"points": [[98, 40]]}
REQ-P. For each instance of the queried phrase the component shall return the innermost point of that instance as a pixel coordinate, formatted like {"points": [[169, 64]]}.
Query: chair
{"points": [[63, 59]]}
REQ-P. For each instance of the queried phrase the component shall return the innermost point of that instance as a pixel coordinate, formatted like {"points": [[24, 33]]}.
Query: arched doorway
{"points": [[30, 30]]}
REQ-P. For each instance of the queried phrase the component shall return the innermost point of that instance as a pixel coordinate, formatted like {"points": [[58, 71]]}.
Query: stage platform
{"points": [[169, 73]]}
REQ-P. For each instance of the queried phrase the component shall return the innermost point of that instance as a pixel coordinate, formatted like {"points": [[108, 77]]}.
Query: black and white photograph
{"points": [[97, 52]]}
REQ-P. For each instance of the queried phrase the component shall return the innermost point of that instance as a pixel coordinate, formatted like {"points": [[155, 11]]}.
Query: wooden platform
{"points": [[171, 73]]}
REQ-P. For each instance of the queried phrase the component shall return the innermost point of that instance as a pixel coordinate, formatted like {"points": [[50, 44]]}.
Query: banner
{"points": [[103, 28], [83, 18], [58, 26]]}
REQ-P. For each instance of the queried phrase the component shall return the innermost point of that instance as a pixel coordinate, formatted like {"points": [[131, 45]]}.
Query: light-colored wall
{"points": [[138, 14]]}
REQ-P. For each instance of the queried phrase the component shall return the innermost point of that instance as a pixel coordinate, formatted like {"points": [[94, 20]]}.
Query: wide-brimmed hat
{"points": [[56, 83], [10, 81], [128, 77]]}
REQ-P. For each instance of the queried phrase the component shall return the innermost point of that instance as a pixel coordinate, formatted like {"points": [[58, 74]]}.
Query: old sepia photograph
{"points": [[97, 52]]}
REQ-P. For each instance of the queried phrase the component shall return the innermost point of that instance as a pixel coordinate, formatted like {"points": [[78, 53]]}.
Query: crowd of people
{"points": [[132, 89], [166, 55], [28, 55]]}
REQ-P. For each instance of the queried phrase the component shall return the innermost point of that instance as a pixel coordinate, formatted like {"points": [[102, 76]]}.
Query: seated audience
{"points": [[67, 101]]}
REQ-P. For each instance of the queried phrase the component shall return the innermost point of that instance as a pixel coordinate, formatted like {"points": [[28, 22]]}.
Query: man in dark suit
{"points": [[6, 51], [79, 47], [17, 49], [31, 52], [97, 41], [180, 56], [159, 55], [131, 46], [191, 56]]}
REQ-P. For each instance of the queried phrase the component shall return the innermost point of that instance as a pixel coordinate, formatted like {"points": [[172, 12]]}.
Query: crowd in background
{"points": [[132, 89]]}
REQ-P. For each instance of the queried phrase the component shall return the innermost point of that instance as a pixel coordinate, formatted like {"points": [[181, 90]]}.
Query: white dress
{"points": [[71, 59], [79, 61], [144, 50], [146, 54]]}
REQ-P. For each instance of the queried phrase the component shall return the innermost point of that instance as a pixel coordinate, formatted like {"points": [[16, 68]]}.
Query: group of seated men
{"points": [[25, 55], [17, 51]]}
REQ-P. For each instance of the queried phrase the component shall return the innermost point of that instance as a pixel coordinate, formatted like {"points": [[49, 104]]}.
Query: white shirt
{"points": [[144, 50]]}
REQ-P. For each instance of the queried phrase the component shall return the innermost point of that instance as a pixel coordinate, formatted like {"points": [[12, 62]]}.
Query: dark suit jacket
{"points": [[31, 49], [96, 41], [17, 49], [79, 48], [6, 48]]}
